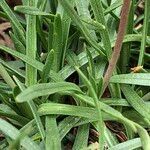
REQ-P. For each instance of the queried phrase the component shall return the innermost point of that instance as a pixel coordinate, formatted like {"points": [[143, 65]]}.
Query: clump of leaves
{"points": [[67, 83]]}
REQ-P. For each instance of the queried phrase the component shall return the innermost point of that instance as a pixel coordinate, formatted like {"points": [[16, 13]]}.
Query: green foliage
{"points": [[54, 81]]}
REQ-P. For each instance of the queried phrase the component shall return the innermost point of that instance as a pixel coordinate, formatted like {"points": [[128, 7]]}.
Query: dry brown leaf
{"points": [[7, 40], [4, 26], [137, 69], [4, 37]]}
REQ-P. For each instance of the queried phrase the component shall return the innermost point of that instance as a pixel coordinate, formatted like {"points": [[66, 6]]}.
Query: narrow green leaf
{"points": [[132, 125], [32, 110], [31, 46], [52, 135], [106, 108], [13, 65], [96, 101], [48, 65], [72, 58], [66, 22], [18, 45], [45, 89], [57, 43], [90, 63], [115, 102], [19, 35], [145, 31], [78, 22], [6, 77], [81, 139], [111, 139], [93, 24], [13, 133], [36, 64], [30, 10], [99, 17], [6, 111], [55, 108], [84, 13], [136, 101], [134, 78], [113, 6], [66, 125], [132, 37], [128, 145]]}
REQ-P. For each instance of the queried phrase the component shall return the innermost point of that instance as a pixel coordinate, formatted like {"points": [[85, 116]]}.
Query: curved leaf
{"points": [[128, 145], [46, 89]]}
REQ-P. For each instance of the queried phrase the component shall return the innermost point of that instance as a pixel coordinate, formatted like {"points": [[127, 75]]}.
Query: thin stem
{"points": [[118, 44]]}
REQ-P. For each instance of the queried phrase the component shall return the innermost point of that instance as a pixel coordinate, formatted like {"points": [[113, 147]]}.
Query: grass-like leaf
{"points": [[46, 89], [136, 101], [51, 86], [13, 133], [79, 23], [81, 137], [133, 78], [30, 10], [131, 144]]}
